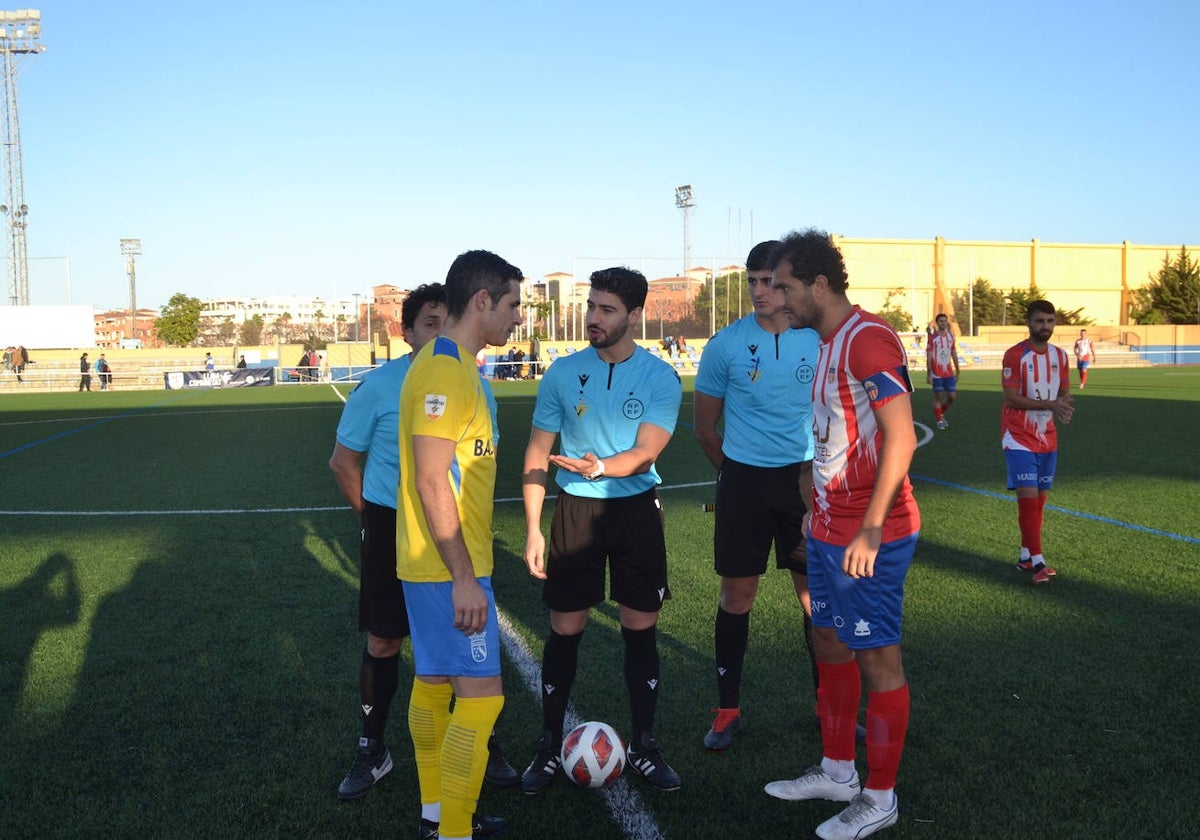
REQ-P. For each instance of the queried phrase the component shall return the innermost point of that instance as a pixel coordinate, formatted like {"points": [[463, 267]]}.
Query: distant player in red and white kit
{"points": [[941, 357], [861, 536], [1084, 355], [1037, 382]]}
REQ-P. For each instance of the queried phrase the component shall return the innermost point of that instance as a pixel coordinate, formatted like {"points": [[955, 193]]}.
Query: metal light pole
{"points": [[19, 34], [131, 248], [683, 200], [356, 316]]}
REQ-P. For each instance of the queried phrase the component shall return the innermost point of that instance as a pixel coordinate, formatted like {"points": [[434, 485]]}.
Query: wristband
{"points": [[596, 473]]}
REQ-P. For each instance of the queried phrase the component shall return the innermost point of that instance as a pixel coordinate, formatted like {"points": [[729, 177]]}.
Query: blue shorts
{"points": [[439, 648], [949, 384], [866, 612], [1082, 365], [1030, 469]]}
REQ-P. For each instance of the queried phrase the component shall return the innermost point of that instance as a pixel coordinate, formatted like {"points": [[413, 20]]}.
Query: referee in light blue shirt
{"points": [[757, 374], [370, 425], [615, 407]]}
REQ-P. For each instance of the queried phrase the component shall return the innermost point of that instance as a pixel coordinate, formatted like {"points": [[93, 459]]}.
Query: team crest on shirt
{"points": [[872, 390], [435, 406], [755, 371], [832, 378], [805, 374], [633, 408], [479, 650], [581, 409], [1008, 373]]}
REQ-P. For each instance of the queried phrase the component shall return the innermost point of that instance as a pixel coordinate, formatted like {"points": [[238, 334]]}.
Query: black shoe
{"points": [[371, 764], [499, 772], [648, 760], [541, 771], [480, 827]]}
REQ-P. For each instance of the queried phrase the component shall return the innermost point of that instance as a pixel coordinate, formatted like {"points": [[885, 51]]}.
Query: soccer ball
{"points": [[592, 755]]}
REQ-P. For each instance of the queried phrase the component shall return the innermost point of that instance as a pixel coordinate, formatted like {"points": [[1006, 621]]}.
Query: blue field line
{"points": [[1077, 513], [61, 435]]}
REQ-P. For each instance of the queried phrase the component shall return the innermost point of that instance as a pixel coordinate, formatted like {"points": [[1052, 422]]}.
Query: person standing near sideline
{"points": [[444, 546], [1036, 380], [615, 406], [85, 373], [941, 369], [861, 537], [20, 360], [370, 426], [757, 374], [1084, 354], [102, 372]]}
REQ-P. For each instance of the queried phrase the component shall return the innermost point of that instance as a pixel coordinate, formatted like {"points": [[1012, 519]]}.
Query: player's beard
{"points": [[607, 339]]}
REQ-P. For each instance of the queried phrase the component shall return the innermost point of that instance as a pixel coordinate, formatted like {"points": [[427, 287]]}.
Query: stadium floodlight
{"points": [[131, 248], [20, 32], [683, 200]]}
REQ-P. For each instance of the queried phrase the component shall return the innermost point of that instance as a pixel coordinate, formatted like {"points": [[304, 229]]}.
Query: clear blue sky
{"points": [[271, 148]]}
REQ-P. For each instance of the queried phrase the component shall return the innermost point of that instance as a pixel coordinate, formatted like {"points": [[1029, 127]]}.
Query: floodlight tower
{"points": [[131, 248], [19, 34], [683, 200]]}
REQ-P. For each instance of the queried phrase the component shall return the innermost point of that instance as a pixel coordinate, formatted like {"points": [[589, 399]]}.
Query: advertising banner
{"points": [[183, 380]]}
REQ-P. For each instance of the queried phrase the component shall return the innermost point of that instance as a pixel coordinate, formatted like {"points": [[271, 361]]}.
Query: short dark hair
{"points": [[811, 252], [627, 284], [941, 315], [759, 258], [1043, 306], [475, 270], [417, 298]]}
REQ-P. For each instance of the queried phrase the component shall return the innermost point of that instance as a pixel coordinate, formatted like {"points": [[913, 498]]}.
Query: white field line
{"points": [[626, 806]]}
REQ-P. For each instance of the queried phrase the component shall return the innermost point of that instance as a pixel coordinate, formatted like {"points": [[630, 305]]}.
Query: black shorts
{"points": [[626, 533], [758, 506], [381, 608]]}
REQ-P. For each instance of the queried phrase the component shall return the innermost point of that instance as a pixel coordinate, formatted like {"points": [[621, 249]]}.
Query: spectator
{"points": [[85, 373]]}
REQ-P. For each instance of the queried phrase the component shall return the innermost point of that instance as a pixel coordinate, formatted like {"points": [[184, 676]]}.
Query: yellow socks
{"points": [[464, 760], [428, 718]]}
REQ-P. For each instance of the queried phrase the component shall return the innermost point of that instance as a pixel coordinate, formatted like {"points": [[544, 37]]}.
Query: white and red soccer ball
{"points": [[593, 755]]}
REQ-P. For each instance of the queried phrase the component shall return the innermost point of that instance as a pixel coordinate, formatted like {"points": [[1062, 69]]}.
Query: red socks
{"points": [[1029, 516], [837, 704], [887, 724]]}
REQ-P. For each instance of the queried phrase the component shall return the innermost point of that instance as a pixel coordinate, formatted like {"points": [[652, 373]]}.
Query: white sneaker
{"points": [[814, 783], [861, 819], [942, 424]]}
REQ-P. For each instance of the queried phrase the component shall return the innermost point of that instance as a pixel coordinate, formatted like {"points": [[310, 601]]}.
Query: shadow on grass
{"points": [[218, 696], [46, 599]]}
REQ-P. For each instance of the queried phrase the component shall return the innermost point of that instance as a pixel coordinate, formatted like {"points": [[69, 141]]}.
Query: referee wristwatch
{"points": [[596, 473]]}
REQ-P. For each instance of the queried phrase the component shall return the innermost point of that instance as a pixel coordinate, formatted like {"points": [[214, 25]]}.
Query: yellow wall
{"points": [[1095, 277]]}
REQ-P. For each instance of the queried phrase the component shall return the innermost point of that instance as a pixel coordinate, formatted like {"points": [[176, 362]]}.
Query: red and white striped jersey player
{"points": [[1036, 382]]}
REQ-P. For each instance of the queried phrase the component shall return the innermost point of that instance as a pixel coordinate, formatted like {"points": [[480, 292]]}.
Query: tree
{"points": [[1018, 305], [896, 315], [179, 322], [250, 333], [1172, 296], [983, 306], [282, 326], [732, 295], [315, 333], [225, 331]]}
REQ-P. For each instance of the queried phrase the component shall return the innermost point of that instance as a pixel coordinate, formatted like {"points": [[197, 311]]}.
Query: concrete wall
{"points": [[1098, 278]]}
